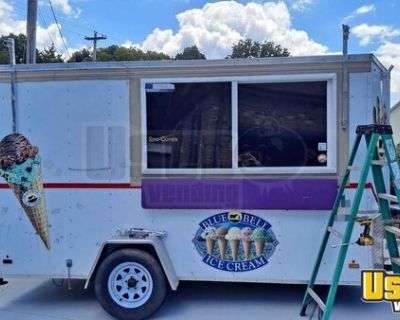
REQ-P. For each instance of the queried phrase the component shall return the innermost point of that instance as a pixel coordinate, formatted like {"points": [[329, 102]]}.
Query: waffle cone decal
{"points": [[20, 166]]}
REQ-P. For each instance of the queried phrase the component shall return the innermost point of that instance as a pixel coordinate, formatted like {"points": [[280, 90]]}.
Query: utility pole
{"points": [[345, 78], [95, 38], [346, 32], [31, 32], [10, 43]]}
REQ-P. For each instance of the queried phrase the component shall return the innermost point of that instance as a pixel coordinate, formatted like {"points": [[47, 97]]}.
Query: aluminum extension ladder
{"points": [[372, 134]]}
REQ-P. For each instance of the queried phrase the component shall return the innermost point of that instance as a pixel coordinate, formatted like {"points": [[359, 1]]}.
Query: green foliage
{"points": [[253, 49], [117, 53], [20, 48], [83, 55], [190, 53], [49, 55]]}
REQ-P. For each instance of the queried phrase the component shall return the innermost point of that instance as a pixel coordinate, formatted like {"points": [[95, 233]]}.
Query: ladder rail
{"points": [[384, 203], [350, 225], [331, 220], [372, 134]]}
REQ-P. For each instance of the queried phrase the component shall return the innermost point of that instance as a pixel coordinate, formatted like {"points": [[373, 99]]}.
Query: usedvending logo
{"points": [[378, 286], [235, 241]]}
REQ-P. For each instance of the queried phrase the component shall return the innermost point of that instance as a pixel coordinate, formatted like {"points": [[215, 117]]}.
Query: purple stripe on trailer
{"points": [[273, 194]]}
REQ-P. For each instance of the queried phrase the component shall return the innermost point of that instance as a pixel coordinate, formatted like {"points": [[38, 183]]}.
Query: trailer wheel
{"points": [[130, 284]]}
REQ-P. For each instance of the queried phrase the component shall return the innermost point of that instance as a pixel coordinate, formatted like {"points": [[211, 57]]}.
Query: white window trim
{"points": [[331, 167]]}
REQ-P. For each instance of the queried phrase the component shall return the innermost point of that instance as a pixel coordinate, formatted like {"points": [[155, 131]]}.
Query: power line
{"points": [[70, 26], [46, 25], [74, 27], [59, 30]]}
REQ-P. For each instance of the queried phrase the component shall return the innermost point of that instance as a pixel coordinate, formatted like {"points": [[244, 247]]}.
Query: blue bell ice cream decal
{"points": [[235, 241]]}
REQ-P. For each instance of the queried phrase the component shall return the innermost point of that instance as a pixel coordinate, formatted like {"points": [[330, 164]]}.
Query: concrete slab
{"points": [[41, 300]]}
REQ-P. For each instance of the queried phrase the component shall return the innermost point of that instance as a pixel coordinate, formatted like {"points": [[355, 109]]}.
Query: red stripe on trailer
{"points": [[354, 185], [83, 186], [369, 185]]}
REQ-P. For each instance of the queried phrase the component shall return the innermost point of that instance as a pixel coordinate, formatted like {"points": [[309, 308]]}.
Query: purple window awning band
{"points": [[273, 194]]}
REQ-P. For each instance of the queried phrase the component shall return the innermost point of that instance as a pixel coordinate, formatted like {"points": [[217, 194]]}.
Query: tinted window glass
{"points": [[282, 124], [189, 125]]}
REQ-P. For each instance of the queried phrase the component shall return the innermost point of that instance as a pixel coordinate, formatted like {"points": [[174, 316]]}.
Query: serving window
{"points": [[240, 125], [282, 124], [189, 125]]}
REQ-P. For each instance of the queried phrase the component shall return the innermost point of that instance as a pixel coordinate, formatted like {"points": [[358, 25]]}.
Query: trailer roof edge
{"points": [[194, 63], [379, 63], [395, 106]]}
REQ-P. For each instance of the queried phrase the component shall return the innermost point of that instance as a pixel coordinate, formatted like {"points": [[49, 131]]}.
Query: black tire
{"points": [[157, 295]]}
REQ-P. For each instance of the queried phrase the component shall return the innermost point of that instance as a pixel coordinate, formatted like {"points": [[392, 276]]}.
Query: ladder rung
{"points": [[354, 168], [390, 222], [335, 232], [316, 298], [363, 218], [368, 212], [395, 208], [379, 162], [393, 230], [395, 261], [388, 197]]}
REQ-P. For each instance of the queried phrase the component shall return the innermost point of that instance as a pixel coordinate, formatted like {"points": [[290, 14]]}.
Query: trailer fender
{"points": [[155, 243]]}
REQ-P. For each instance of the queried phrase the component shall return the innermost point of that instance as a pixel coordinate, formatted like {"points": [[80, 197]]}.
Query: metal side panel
{"points": [[81, 128], [5, 109], [363, 90], [82, 220], [5, 128]]}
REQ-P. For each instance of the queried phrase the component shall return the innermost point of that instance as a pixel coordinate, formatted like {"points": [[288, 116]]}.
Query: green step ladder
{"points": [[372, 134]]}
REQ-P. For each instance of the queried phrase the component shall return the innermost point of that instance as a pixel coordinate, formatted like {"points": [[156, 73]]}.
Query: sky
{"points": [[305, 27]]}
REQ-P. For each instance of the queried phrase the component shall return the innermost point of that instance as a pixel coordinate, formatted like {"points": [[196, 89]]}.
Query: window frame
{"points": [[331, 95]]}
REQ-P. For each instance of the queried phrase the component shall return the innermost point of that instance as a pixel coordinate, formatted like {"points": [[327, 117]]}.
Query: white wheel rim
{"points": [[130, 285]]}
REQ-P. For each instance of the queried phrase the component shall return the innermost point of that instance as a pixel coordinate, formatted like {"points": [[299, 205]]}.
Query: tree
{"points": [[49, 55], [83, 55], [153, 55], [118, 53], [190, 53], [252, 49], [20, 48]]}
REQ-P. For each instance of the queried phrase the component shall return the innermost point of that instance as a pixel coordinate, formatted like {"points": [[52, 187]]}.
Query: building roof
{"points": [[197, 63]]}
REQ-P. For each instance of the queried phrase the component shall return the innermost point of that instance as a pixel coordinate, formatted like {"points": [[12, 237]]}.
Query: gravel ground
{"points": [[41, 300]]}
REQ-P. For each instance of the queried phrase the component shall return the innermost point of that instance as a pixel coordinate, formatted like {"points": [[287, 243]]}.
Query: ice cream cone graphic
{"points": [[246, 249], [20, 166], [259, 237], [246, 241], [234, 248], [210, 246], [222, 242], [260, 247], [210, 235], [233, 236], [222, 247]]}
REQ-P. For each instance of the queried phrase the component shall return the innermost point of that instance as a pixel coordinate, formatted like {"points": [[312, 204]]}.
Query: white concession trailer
{"points": [[165, 171]]}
